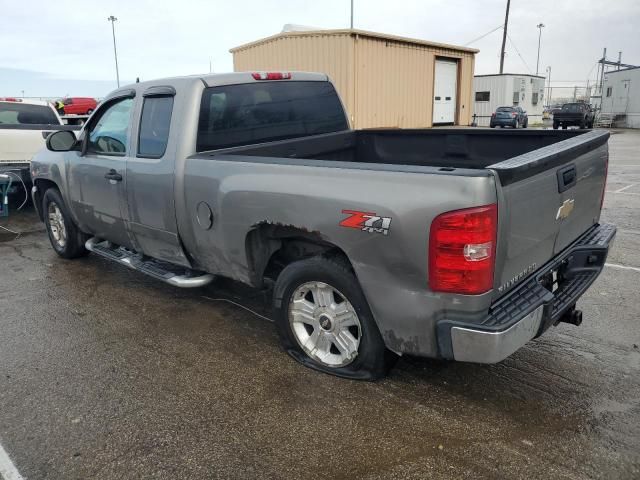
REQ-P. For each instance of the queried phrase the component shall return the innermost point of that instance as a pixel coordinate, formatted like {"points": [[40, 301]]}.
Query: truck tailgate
{"points": [[547, 199]]}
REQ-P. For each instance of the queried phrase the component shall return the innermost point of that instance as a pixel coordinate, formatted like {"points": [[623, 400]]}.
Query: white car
{"points": [[24, 126]]}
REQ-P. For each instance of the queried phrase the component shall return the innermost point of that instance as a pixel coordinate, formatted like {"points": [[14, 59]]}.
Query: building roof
{"points": [[510, 75], [610, 72], [354, 32]]}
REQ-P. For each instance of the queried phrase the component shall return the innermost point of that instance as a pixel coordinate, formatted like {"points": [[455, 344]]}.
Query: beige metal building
{"points": [[384, 80]]}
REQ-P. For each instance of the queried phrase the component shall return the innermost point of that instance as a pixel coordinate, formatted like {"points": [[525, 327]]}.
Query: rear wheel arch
{"points": [[270, 248]]}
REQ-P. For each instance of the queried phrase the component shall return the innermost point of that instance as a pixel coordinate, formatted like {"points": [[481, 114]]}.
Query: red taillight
{"points": [[271, 75], [10, 99], [462, 246], [493, 114], [514, 115]]}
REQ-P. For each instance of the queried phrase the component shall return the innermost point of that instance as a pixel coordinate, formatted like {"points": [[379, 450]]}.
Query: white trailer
{"points": [[506, 90], [621, 97]]}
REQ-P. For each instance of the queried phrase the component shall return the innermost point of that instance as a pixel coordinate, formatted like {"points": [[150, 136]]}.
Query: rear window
{"points": [[505, 109], [572, 107], [234, 115], [15, 113]]}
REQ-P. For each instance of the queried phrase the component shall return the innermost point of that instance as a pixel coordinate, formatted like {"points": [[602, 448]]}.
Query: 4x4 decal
{"points": [[366, 221]]}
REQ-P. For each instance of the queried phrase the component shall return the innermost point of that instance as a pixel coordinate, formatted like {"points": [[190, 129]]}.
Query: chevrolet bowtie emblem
{"points": [[565, 209]]}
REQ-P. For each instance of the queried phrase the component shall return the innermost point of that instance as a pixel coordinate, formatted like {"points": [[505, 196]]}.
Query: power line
{"points": [[482, 36], [518, 52]]}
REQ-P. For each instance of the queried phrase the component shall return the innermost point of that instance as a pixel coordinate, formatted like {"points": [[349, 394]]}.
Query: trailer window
{"points": [[483, 96], [154, 126], [233, 115]]}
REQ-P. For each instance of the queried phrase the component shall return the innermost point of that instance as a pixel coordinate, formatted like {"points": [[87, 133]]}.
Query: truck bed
{"points": [[442, 149]]}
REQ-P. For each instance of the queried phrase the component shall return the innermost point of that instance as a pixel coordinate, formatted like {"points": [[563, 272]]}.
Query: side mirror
{"points": [[61, 141]]}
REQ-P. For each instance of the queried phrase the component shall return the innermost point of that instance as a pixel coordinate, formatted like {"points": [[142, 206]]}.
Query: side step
{"points": [[170, 273]]}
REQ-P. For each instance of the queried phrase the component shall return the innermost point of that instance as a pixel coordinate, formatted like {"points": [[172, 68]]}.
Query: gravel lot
{"points": [[105, 373]]}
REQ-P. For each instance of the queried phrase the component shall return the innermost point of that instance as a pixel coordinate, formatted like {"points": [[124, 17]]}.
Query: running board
{"points": [[170, 273]]}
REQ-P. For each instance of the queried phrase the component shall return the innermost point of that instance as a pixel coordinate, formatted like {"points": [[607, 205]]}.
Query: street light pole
{"points": [[540, 27], [351, 14], [113, 19]]}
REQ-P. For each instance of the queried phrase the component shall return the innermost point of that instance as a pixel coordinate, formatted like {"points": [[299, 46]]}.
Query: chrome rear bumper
{"points": [[531, 308]]}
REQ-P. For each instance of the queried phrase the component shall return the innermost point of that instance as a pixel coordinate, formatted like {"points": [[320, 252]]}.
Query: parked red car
{"points": [[79, 105]]}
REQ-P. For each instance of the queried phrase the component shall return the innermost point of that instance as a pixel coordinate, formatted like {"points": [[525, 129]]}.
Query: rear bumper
{"points": [[527, 311], [23, 170], [509, 122]]}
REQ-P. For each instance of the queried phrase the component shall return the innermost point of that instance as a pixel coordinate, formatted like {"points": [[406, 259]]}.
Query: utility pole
{"points": [[504, 37], [113, 19], [549, 90], [540, 27], [351, 14]]}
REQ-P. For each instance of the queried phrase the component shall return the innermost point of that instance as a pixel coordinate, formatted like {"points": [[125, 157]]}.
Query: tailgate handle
{"points": [[567, 178]]}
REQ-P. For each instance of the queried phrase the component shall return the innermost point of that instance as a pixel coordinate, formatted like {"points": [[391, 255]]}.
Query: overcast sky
{"points": [[54, 48]]}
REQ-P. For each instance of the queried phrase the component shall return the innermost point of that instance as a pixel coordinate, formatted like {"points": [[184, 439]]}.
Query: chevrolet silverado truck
{"points": [[447, 243], [574, 114]]}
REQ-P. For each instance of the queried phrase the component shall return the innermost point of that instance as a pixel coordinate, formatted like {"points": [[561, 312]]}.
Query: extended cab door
{"points": [[150, 178], [97, 174]]}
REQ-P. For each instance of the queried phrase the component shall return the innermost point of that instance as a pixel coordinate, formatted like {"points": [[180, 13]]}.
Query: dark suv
{"points": [[509, 117], [577, 114]]}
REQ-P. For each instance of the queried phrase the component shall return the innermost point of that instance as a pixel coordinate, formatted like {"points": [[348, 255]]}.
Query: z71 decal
{"points": [[366, 221]]}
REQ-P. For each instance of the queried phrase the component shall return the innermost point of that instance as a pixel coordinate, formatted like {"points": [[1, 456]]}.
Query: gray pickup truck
{"points": [[461, 244]]}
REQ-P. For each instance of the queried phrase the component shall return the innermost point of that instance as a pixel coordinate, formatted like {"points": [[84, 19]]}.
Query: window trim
{"points": [[117, 97], [151, 95]]}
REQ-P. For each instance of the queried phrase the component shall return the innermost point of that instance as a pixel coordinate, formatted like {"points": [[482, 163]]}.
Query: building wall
{"points": [[330, 54], [383, 82], [394, 82], [624, 97], [501, 89]]}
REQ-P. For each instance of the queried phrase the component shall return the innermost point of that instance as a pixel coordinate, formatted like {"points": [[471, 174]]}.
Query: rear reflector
{"points": [[271, 75], [462, 246]]}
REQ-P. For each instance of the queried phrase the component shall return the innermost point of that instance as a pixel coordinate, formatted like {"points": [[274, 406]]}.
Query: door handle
{"points": [[113, 175]]}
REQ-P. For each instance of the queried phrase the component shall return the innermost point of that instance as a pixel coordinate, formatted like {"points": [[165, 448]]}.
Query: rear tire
{"points": [[525, 124], [564, 127], [65, 237], [555, 125], [324, 320]]}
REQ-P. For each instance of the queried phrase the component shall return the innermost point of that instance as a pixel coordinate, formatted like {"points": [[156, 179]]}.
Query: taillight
{"points": [[493, 114], [462, 246], [513, 114], [10, 99], [271, 75]]}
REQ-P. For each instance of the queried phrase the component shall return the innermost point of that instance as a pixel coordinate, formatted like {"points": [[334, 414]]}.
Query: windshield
{"points": [[245, 114], [15, 113]]}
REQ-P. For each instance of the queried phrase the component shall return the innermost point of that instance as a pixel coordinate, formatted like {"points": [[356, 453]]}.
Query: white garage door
{"points": [[444, 91]]}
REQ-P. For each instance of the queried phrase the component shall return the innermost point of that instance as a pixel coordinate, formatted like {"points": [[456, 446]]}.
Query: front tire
{"points": [[324, 320], [65, 237]]}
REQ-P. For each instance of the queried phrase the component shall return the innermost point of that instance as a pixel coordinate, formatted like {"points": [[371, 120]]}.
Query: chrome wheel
{"points": [[325, 324], [56, 224]]}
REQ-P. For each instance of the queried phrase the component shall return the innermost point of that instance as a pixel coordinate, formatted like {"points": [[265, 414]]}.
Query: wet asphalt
{"points": [[108, 374]]}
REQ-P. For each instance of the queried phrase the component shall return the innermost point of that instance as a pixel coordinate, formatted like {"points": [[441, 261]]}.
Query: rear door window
{"points": [[233, 115], [154, 126]]}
